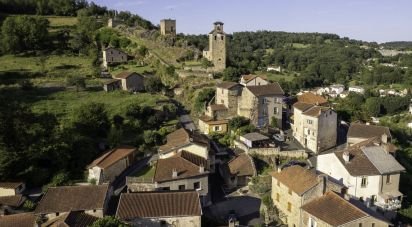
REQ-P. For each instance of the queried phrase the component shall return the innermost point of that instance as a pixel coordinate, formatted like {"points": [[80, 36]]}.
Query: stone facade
{"points": [[261, 110], [317, 133], [168, 27], [113, 56], [134, 82], [208, 127], [229, 97], [217, 47]]}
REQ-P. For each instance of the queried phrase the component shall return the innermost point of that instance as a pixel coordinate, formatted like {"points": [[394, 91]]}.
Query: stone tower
{"points": [[217, 47], [168, 27]]}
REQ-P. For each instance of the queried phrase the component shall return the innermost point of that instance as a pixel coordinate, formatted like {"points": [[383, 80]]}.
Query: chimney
{"points": [[201, 169], [346, 196], [279, 169], [174, 173], [323, 180], [346, 156], [384, 138]]}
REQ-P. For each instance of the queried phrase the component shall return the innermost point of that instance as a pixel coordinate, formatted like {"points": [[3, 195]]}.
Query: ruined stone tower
{"points": [[168, 27], [217, 47]]}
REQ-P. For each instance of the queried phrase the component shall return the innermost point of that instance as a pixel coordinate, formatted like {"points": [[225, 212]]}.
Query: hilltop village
{"points": [[181, 141]]}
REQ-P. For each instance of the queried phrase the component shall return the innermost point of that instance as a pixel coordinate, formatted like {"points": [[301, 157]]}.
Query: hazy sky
{"points": [[370, 20]]}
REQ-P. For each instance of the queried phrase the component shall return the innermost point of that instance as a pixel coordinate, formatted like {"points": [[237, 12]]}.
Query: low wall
{"points": [[271, 151], [136, 184]]}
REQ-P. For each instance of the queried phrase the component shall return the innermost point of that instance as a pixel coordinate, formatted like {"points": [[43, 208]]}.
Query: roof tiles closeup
{"points": [[158, 204]]}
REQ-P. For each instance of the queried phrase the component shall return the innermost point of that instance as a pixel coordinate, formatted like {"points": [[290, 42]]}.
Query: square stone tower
{"points": [[168, 27], [217, 47]]}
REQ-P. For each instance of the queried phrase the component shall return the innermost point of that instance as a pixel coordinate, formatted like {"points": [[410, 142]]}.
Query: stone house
{"points": [[208, 125], [228, 94], [314, 127], [360, 132], [111, 164], [168, 27], [369, 172], [131, 81], [92, 199], [356, 89], [217, 47], [182, 171], [11, 188], [20, 220], [178, 209], [113, 22], [113, 56], [112, 85], [296, 186], [252, 80], [192, 142], [238, 171], [262, 104], [333, 210]]}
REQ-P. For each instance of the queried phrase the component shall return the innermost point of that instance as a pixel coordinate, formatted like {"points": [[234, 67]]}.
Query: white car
{"points": [[279, 137]]}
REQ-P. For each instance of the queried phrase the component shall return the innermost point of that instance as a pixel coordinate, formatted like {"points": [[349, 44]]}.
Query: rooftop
{"points": [[297, 178], [242, 165], [182, 137], [113, 156], [255, 136], [72, 198], [311, 98], [126, 74], [316, 111], [334, 210], [367, 131], [266, 90], [184, 163], [158, 204], [20, 220], [10, 185], [216, 107], [13, 200], [226, 84]]}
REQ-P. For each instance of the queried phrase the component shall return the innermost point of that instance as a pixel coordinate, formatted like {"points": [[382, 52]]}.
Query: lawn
{"points": [[132, 68], [63, 103], [56, 67], [146, 174], [59, 21]]}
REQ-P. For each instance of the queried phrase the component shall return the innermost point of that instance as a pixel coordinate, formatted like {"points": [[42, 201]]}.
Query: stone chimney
{"points": [[346, 156], [174, 173], [323, 180], [346, 196], [201, 169]]}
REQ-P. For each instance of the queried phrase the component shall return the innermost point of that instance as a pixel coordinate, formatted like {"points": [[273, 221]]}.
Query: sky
{"points": [[369, 20]]}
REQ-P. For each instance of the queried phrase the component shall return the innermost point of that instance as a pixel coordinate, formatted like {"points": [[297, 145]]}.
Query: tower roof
{"points": [[218, 22]]}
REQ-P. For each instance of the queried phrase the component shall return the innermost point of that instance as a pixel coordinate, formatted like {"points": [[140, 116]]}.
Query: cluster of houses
{"points": [[336, 91]]}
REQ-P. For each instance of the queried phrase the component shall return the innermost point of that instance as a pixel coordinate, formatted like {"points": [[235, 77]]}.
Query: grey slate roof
{"points": [[254, 136], [384, 162]]}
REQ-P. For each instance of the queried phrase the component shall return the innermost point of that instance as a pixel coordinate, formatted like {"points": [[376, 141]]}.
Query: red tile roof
{"points": [[113, 156], [297, 178], [266, 90], [311, 98], [242, 165], [182, 137], [18, 220], [158, 204]]}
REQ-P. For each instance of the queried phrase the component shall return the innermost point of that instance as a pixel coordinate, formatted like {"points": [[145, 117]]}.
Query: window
{"points": [[215, 37], [264, 112], [275, 110], [373, 224], [309, 122], [364, 182], [57, 214], [196, 185], [182, 187], [312, 222], [222, 37], [290, 191], [289, 207], [217, 128], [388, 179], [360, 224], [277, 197], [221, 101]]}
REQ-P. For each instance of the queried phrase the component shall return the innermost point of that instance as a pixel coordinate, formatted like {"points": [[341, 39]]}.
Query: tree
{"points": [[153, 84], [202, 98], [373, 106], [22, 33], [206, 63], [109, 221], [91, 120]]}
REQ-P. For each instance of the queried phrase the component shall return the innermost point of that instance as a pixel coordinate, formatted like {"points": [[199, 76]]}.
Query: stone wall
{"points": [[168, 27], [275, 151]]}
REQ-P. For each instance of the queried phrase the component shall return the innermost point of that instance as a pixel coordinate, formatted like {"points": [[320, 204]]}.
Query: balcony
{"points": [[390, 205]]}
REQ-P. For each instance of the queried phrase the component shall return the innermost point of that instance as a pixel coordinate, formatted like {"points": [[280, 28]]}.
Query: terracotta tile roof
{"points": [[125, 75], [158, 204], [13, 200], [185, 163], [302, 106], [10, 185], [316, 111], [226, 84], [79, 219], [215, 107], [334, 210], [266, 90], [297, 178], [111, 157], [20, 220], [112, 81], [242, 165], [72, 198], [182, 137], [311, 98], [249, 77], [210, 120], [367, 131]]}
